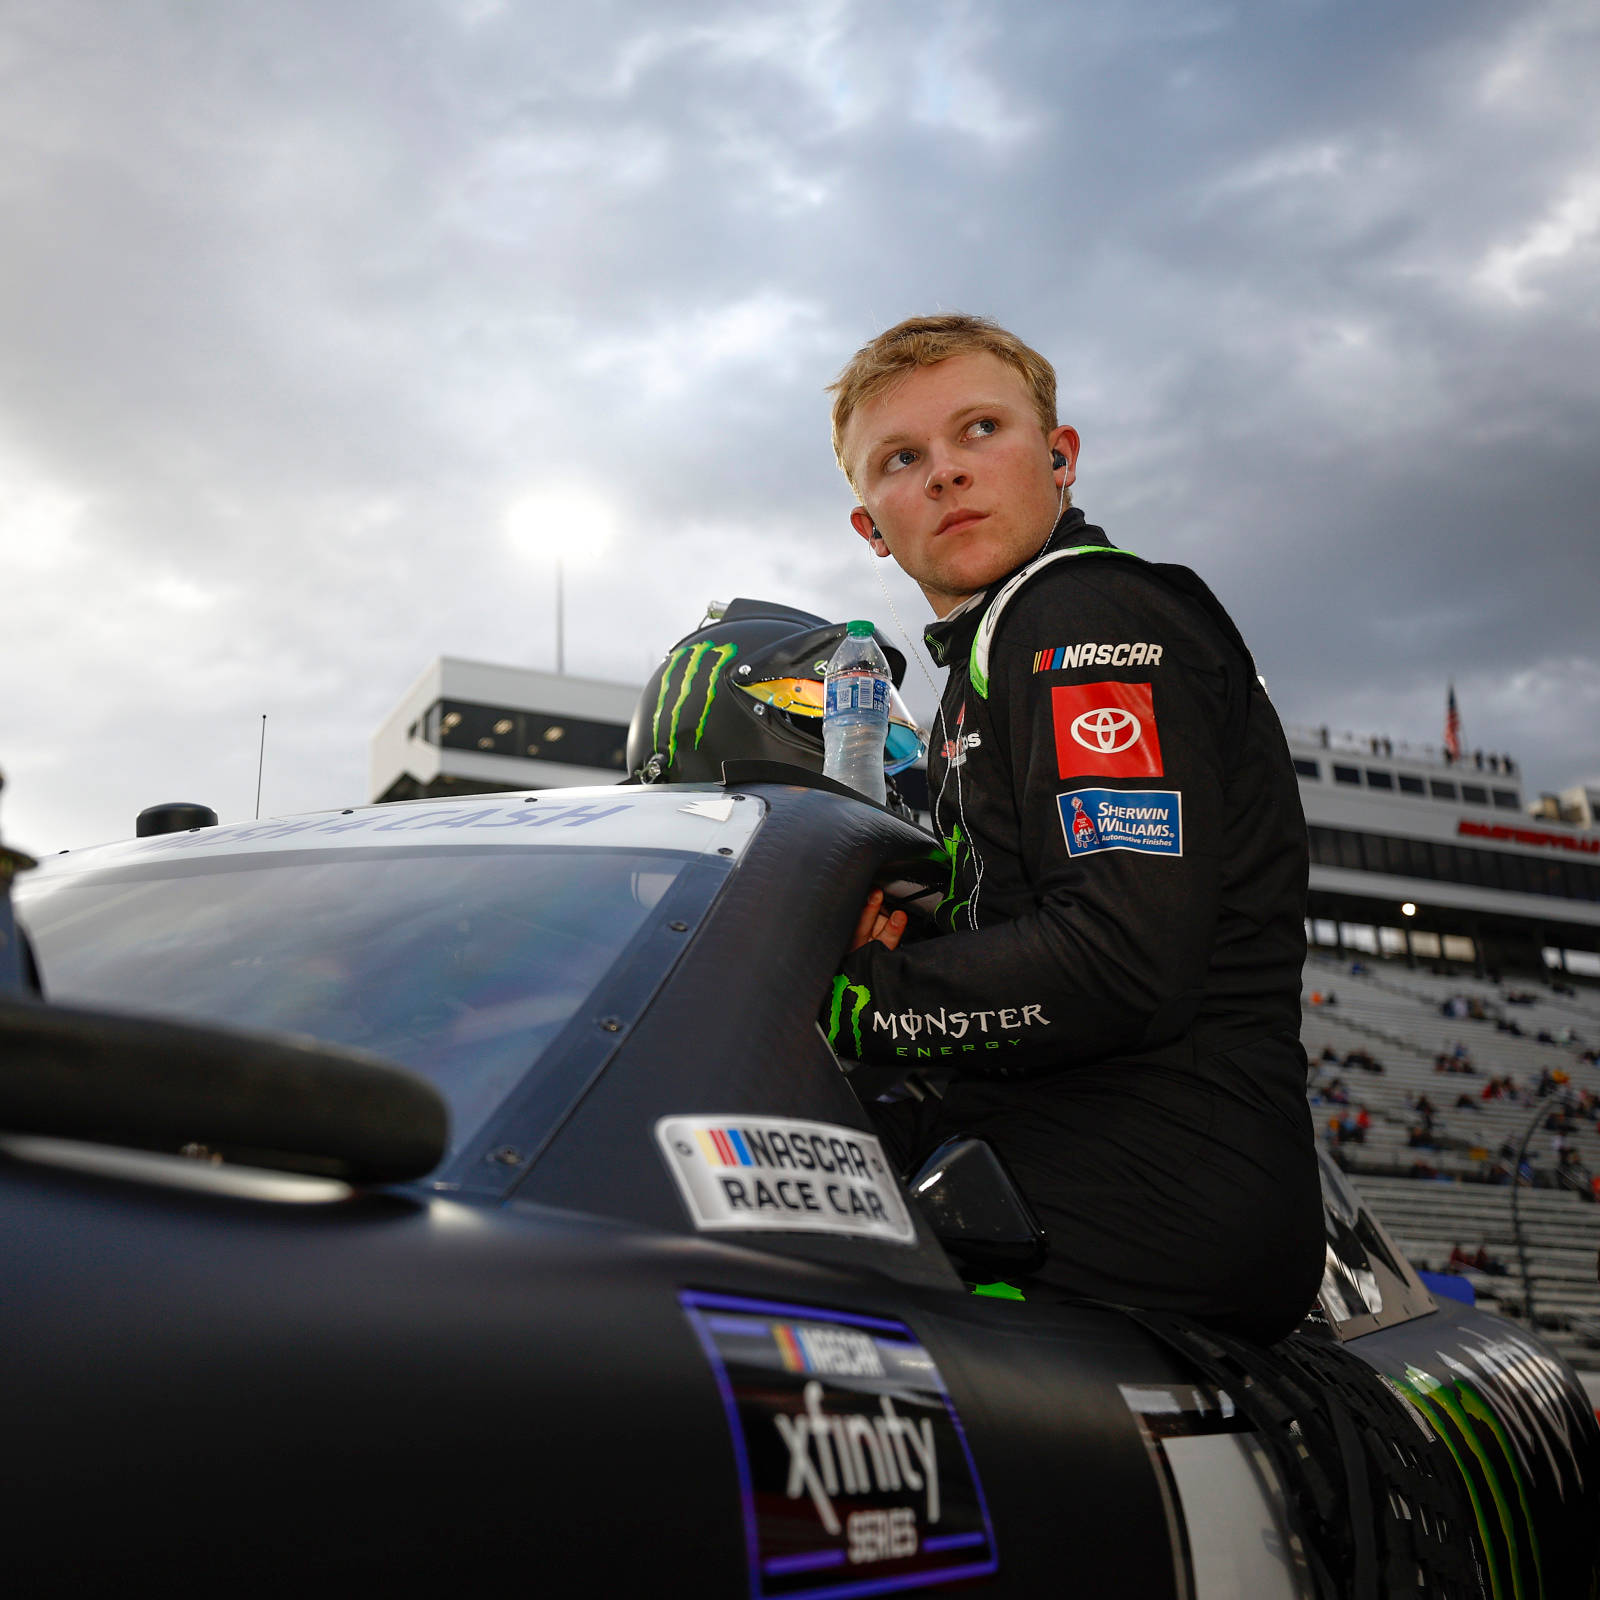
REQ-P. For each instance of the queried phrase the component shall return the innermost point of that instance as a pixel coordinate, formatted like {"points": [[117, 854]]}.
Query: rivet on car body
{"points": [[679, 927], [611, 1024], [507, 1156], [724, 850]]}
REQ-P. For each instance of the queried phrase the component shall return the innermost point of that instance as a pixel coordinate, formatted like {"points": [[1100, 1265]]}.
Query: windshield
{"points": [[461, 964]]}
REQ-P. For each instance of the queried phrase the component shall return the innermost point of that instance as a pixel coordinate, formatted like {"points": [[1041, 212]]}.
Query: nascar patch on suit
{"points": [[1147, 820]]}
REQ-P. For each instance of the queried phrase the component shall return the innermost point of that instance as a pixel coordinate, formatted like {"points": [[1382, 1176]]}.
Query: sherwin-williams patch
{"points": [[853, 1467], [781, 1174], [1147, 820]]}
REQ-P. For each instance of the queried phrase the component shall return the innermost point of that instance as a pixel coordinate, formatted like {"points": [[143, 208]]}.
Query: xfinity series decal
{"points": [[1105, 729], [854, 1471], [779, 1173], [1147, 820]]}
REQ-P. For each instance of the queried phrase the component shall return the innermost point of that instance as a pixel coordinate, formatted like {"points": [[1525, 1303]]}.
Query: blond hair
{"points": [[924, 342]]}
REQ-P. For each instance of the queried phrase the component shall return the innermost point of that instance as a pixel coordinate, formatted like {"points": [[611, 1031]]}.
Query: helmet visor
{"points": [[802, 697]]}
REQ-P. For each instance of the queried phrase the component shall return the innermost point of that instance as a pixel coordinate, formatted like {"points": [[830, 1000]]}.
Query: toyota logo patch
{"points": [[1107, 730]]}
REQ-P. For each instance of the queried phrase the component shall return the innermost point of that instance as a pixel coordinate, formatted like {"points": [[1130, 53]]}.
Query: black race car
{"points": [[649, 1312]]}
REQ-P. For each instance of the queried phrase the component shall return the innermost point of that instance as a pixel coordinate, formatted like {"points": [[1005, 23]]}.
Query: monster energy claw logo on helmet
{"points": [[688, 658], [746, 685]]}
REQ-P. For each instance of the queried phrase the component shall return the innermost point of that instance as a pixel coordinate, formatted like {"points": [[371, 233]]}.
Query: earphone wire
{"points": [[952, 761]]}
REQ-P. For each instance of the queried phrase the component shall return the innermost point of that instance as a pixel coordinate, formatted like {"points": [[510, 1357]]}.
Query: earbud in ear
{"points": [[1057, 459]]}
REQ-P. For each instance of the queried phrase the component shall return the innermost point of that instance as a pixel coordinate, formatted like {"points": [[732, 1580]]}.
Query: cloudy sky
{"points": [[298, 298]]}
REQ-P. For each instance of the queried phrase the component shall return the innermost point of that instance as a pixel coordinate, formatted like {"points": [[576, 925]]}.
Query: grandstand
{"points": [[1443, 1180]]}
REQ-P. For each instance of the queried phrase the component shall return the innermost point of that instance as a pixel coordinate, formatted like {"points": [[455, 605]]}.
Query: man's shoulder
{"points": [[1095, 592]]}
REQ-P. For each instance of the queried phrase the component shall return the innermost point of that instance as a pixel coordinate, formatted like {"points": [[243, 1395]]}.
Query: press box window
{"points": [[1505, 799], [1377, 779], [1441, 789], [1474, 794], [1411, 785], [538, 735], [1306, 768], [1347, 775]]}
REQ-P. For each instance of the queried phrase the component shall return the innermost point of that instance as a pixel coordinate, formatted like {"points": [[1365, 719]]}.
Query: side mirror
{"points": [[976, 1209]]}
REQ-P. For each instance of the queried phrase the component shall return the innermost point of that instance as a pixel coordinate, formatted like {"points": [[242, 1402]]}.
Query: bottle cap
{"points": [[861, 630]]}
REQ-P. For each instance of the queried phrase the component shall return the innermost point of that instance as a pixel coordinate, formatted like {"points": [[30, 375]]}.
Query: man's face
{"points": [[954, 471]]}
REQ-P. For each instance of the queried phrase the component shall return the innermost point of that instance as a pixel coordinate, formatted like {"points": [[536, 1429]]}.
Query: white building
{"points": [[472, 727], [1395, 826]]}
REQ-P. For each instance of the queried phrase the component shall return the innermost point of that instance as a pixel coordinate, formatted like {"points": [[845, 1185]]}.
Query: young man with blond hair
{"points": [[1116, 988]]}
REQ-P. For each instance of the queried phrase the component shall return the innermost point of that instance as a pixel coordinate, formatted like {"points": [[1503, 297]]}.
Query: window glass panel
{"points": [[1457, 948], [1350, 849], [1324, 846], [460, 965], [1324, 932], [1347, 774], [1360, 936], [1474, 794], [1505, 799], [538, 735], [1411, 785], [1425, 944], [1377, 778], [1392, 941], [1307, 768], [1441, 789]]}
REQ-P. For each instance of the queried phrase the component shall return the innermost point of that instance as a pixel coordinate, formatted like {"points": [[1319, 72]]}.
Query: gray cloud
{"points": [[298, 300]]}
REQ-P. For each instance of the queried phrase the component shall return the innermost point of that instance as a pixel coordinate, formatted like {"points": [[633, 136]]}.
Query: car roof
{"points": [[692, 818]]}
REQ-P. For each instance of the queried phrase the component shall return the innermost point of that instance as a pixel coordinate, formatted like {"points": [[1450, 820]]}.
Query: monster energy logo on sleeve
{"points": [[860, 995], [688, 657]]}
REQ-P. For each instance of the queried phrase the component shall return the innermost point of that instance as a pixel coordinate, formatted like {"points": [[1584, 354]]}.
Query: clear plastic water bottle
{"points": [[855, 714]]}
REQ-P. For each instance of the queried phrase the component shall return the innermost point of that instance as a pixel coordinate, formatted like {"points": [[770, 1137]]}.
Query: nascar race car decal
{"points": [[777, 1172]]}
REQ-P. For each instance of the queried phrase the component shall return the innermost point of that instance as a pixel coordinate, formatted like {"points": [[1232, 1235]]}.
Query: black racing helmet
{"points": [[746, 685]]}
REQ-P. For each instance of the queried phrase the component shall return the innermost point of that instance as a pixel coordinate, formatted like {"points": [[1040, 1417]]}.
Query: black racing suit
{"points": [[1118, 990]]}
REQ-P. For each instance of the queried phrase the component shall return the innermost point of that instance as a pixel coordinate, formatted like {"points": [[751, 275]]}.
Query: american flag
{"points": [[1452, 727]]}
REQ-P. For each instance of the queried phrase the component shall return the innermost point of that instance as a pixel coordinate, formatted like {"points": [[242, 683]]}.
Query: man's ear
{"points": [[862, 522], [1065, 440]]}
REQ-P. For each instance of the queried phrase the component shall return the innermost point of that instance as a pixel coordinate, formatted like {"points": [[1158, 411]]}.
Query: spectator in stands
{"points": [[1465, 1102], [1329, 1053]]}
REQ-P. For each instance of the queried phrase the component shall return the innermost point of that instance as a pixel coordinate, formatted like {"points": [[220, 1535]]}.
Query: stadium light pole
{"points": [[550, 524]]}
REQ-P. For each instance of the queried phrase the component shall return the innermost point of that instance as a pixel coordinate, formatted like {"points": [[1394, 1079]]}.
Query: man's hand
{"points": [[876, 923]]}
